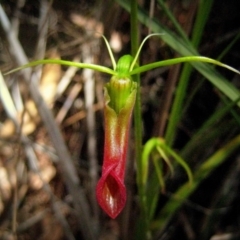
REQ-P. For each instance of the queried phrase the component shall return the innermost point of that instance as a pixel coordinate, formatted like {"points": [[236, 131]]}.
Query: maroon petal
{"points": [[111, 192]]}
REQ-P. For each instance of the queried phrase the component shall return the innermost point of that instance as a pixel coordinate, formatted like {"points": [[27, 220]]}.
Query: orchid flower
{"points": [[119, 96]]}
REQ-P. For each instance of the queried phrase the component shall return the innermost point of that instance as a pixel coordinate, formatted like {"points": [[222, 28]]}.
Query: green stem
{"points": [[141, 231], [136, 78]]}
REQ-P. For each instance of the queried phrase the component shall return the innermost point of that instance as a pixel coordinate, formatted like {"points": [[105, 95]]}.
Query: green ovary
{"points": [[119, 90]]}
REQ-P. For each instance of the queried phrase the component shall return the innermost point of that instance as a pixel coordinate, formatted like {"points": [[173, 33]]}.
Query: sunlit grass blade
{"points": [[6, 99]]}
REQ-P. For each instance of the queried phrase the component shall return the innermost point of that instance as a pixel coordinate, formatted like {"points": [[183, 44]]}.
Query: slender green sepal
{"points": [[173, 61], [110, 53], [66, 63], [140, 48]]}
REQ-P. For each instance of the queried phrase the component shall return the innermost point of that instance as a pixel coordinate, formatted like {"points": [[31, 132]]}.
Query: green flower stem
{"points": [[141, 231]]}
